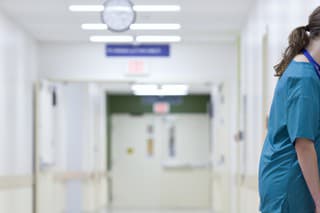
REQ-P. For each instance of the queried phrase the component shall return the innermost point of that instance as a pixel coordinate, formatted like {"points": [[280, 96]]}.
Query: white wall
{"points": [[204, 62], [18, 71], [72, 178], [224, 146]]}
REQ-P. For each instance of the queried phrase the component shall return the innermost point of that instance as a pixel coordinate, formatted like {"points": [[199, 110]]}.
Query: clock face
{"points": [[118, 15]]}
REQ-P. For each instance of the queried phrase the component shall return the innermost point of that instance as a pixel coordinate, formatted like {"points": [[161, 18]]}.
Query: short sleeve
{"points": [[303, 109]]}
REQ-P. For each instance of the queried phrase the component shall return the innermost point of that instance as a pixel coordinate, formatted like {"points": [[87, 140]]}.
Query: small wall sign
{"points": [[159, 50]]}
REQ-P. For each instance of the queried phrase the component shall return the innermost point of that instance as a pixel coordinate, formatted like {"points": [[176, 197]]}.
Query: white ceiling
{"points": [[202, 20]]}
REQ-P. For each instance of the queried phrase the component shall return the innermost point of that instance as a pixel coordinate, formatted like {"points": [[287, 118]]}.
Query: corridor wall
{"points": [[73, 178], [189, 62], [18, 72]]}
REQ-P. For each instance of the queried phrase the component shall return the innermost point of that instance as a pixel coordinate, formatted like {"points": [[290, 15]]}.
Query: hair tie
{"points": [[307, 28]]}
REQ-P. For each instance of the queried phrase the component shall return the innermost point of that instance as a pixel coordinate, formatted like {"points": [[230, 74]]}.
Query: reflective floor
{"points": [[158, 211]]}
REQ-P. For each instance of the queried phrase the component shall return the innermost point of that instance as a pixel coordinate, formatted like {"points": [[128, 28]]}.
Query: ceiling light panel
{"points": [[159, 93], [94, 26], [98, 26], [157, 8], [140, 26], [144, 87], [155, 27], [155, 90], [86, 8], [112, 39], [178, 87], [158, 39], [137, 8]]}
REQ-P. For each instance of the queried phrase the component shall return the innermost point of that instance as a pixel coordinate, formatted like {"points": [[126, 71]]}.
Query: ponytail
{"points": [[298, 40]]}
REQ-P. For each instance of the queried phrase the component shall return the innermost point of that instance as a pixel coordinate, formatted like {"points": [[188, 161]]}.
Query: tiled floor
{"points": [[159, 211]]}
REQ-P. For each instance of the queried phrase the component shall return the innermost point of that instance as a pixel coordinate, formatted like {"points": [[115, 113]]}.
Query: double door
{"points": [[160, 161]]}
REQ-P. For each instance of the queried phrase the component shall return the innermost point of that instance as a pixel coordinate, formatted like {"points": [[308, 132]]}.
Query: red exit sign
{"points": [[161, 107], [137, 68]]}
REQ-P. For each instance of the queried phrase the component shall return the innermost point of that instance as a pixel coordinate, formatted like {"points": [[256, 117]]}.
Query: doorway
{"points": [[160, 161]]}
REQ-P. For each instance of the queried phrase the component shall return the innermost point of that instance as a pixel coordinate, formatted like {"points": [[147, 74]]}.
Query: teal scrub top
{"points": [[295, 113]]}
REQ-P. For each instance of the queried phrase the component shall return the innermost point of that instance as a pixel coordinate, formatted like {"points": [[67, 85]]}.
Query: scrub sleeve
{"points": [[303, 108]]}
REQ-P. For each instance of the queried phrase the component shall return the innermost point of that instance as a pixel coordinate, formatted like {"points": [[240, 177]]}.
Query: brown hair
{"points": [[298, 40]]}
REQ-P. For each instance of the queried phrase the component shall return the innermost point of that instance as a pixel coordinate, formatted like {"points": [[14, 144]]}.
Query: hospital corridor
{"points": [[137, 106]]}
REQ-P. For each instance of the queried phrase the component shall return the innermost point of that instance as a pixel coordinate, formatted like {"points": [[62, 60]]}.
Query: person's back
{"points": [[279, 167], [289, 179]]}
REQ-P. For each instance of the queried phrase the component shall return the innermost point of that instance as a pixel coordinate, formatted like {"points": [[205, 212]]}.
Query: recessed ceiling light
{"points": [[155, 27], [94, 26], [112, 39], [86, 8], [157, 8], [177, 87], [137, 8], [144, 87], [160, 93], [165, 90], [155, 39]]}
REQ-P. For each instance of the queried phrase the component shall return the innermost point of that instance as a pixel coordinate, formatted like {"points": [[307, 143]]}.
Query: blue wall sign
{"points": [[162, 50]]}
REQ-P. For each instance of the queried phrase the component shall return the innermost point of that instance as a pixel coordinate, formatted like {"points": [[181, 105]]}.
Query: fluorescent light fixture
{"points": [[137, 8], [155, 27], [86, 8], [154, 90], [94, 26], [178, 87], [159, 93], [157, 8], [97, 26], [174, 90], [144, 87], [112, 39], [158, 39]]}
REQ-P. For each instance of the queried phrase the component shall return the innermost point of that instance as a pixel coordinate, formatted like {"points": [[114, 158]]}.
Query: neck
{"points": [[314, 49]]}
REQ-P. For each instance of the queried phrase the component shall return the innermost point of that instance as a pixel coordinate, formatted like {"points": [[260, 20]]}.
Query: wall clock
{"points": [[118, 15]]}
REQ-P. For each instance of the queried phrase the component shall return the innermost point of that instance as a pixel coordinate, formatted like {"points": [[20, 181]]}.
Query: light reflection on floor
{"points": [[158, 211]]}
